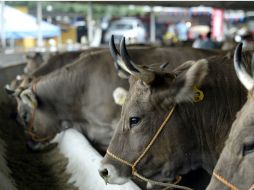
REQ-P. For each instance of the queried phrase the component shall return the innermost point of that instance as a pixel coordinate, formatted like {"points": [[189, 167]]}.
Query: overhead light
{"points": [[49, 8], [131, 7], [147, 8], [157, 9], [188, 24]]}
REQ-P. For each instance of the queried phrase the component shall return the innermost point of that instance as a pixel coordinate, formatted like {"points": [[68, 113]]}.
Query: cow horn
{"points": [[164, 65], [113, 51], [12, 92], [28, 97], [8, 90], [126, 58], [241, 72], [145, 75], [122, 72]]}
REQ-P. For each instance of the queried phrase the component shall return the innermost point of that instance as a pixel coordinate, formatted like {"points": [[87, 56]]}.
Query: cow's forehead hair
{"points": [[139, 92]]}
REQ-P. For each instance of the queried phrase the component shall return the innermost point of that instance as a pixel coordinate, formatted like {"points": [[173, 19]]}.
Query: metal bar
{"points": [[2, 25], [89, 21], [152, 26], [39, 22]]}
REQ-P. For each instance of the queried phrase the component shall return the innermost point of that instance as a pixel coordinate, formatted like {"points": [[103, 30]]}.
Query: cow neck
{"points": [[210, 135], [194, 120], [211, 125], [191, 124], [60, 88]]}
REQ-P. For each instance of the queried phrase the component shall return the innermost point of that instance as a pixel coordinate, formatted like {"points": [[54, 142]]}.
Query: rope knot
{"points": [[133, 169]]}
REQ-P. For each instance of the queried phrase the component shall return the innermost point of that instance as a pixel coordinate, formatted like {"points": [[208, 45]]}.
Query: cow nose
{"points": [[32, 145], [104, 173], [110, 175]]}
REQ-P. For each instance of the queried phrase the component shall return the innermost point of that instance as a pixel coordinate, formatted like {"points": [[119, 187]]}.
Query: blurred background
{"points": [[46, 35], [68, 26]]}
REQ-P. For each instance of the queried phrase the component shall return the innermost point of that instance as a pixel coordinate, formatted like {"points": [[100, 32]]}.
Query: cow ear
{"points": [[188, 75], [119, 95]]}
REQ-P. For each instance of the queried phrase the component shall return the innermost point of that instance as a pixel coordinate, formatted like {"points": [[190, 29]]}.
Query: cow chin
{"points": [[38, 146], [112, 176], [117, 180]]}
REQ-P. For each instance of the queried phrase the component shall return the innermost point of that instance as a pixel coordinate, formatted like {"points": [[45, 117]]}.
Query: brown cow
{"points": [[33, 62], [194, 134], [235, 167]]}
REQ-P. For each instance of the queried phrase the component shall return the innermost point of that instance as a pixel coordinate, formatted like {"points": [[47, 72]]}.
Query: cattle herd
{"points": [[182, 109]]}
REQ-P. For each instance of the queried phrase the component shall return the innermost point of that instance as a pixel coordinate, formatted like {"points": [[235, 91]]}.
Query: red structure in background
{"points": [[217, 23]]}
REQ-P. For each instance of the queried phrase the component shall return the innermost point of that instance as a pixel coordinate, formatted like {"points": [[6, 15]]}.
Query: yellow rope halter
{"points": [[227, 183], [30, 125]]}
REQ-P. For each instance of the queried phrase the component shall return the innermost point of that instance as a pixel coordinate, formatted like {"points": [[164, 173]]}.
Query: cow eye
{"points": [[134, 121], [248, 148], [25, 116]]}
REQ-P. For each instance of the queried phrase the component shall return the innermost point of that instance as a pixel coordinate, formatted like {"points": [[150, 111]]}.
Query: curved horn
{"points": [[126, 58], [164, 65], [8, 90], [12, 92], [145, 75], [252, 65], [114, 53], [241, 72], [122, 72]]}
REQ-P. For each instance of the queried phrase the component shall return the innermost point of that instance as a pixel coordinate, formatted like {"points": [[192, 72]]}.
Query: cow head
{"points": [[33, 62], [151, 96], [18, 85], [40, 126], [234, 168]]}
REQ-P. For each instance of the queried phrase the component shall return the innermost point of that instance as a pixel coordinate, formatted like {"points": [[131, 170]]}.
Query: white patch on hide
{"points": [[84, 162]]}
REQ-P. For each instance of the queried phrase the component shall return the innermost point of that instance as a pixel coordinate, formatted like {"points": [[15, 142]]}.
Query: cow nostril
{"points": [[24, 117], [103, 172]]}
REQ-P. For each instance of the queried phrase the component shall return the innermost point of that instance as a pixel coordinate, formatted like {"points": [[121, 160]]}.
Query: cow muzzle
{"points": [[35, 146], [110, 175]]}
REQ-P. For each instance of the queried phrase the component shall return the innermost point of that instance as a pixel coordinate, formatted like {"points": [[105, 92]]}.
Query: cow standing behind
{"points": [[52, 63], [235, 167], [194, 135], [34, 61]]}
